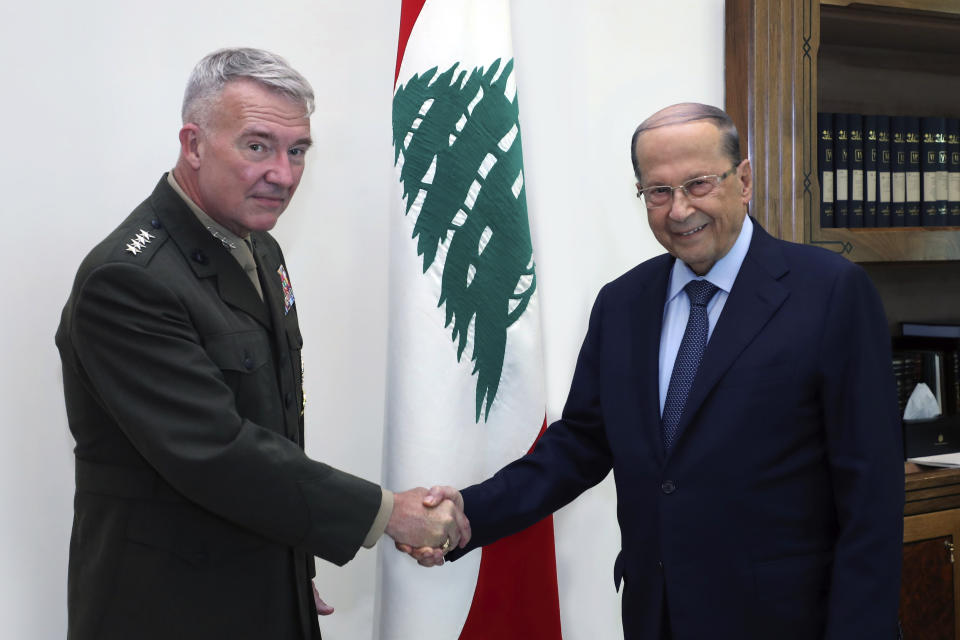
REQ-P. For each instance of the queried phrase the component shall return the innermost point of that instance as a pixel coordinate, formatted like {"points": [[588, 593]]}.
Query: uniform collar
{"points": [[233, 243]]}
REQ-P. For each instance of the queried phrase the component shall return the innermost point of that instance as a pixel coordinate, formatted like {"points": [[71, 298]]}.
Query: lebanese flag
{"points": [[465, 387]]}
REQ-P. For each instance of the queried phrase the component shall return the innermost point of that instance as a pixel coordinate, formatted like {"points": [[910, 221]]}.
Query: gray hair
{"points": [[690, 112], [220, 67]]}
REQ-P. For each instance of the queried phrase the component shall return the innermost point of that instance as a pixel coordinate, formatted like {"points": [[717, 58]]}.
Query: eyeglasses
{"points": [[660, 195]]}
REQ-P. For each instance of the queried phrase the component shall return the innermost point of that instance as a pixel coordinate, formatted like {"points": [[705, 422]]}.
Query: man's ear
{"points": [[190, 145], [745, 177]]}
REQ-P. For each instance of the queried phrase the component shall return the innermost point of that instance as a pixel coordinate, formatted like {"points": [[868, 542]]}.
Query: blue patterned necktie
{"points": [[685, 367]]}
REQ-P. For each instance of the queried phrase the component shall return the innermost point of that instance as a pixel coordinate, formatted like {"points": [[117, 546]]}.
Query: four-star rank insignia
{"points": [[139, 241]]}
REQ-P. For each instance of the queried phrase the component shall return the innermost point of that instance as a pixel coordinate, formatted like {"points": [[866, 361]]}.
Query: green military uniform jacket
{"points": [[197, 514]]}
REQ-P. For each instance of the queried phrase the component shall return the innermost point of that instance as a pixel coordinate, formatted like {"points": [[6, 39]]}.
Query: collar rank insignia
{"points": [[287, 290], [139, 241]]}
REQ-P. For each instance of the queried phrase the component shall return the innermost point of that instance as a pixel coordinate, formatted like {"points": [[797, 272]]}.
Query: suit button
{"points": [[668, 486]]}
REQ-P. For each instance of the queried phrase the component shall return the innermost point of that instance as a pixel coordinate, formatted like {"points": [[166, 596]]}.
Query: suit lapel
{"points": [[205, 254], [645, 322], [756, 295]]}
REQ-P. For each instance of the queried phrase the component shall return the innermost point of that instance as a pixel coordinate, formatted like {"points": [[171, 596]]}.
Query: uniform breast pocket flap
{"points": [[243, 352]]}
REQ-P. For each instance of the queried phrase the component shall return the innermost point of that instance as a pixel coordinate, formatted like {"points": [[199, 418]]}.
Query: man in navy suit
{"points": [[760, 488]]}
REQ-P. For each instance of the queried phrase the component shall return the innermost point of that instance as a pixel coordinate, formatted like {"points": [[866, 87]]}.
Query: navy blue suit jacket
{"points": [[778, 512]]}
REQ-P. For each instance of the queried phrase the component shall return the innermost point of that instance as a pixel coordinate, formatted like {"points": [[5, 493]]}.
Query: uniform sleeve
{"points": [[866, 461], [145, 362]]}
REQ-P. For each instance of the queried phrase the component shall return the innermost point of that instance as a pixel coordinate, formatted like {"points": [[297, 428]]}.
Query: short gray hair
{"points": [[220, 67], [690, 112]]}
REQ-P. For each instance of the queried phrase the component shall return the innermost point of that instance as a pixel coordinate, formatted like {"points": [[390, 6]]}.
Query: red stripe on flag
{"points": [[516, 595], [409, 12]]}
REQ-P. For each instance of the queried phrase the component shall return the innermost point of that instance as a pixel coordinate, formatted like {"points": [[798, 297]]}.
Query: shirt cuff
{"points": [[380, 522]]}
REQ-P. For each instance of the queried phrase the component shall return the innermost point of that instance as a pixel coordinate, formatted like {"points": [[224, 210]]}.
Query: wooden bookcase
{"points": [[788, 59], [785, 61]]}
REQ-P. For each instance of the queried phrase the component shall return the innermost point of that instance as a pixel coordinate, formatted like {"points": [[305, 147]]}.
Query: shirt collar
{"points": [[723, 273], [230, 241]]}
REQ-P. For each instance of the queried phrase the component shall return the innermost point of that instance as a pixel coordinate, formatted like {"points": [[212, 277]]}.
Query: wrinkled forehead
{"points": [[690, 144], [242, 103]]}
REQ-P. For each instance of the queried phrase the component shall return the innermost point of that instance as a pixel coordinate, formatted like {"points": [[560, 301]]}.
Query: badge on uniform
{"points": [[139, 241], [287, 290]]}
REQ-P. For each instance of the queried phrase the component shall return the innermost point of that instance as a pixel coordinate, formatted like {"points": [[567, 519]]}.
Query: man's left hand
{"points": [[323, 609]]}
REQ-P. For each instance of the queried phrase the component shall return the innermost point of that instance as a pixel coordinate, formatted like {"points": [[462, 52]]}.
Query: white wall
{"points": [[90, 115]]}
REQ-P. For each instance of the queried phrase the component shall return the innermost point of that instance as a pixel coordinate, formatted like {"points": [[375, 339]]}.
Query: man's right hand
{"points": [[428, 522], [431, 556]]}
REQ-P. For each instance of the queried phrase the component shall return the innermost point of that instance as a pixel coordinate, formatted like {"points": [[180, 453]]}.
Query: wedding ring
{"points": [[446, 545]]}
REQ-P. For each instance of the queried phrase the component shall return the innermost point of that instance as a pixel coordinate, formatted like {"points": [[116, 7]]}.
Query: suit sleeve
{"points": [[864, 447], [144, 359], [571, 456]]}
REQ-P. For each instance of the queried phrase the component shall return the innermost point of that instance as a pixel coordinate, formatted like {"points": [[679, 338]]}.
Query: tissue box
{"points": [[931, 437]]}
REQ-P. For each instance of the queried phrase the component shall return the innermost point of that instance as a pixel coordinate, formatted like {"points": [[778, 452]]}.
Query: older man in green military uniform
{"points": [[197, 513]]}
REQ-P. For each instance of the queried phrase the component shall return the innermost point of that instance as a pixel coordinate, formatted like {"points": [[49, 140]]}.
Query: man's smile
{"points": [[689, 233]]}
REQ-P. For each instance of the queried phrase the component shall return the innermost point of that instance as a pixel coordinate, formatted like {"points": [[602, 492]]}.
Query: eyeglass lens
{"points": [[697, 188]]}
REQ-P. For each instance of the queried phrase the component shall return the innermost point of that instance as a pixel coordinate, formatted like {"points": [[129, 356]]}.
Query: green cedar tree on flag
{"points": [[465, 366]]}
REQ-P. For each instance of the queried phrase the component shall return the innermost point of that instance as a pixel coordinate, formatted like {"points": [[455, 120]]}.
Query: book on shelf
{"points": [[855, 152], [898, 171], [883, 171], [888, 171], [841, 166], [905, 374], [933, 163], [914, 195], [953, 171], [952, 381], [940, 140], [825, 162], [870, 171]]}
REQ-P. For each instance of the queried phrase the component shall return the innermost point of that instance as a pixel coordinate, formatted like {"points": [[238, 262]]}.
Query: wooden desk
{"points": [[930, 591]]}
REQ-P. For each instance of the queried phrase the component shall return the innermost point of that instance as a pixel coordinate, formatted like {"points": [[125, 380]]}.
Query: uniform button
{"points": [[199, 257], [660, 564], [288, 398], [668, 486], [155, 223], [248, 363]]}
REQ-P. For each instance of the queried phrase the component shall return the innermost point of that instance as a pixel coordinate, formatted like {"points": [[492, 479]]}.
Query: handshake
{"points": [[427, 524], [424, 524]]}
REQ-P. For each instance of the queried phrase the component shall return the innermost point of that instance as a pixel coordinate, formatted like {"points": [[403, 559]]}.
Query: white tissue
{"points": [[922, 404]]}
